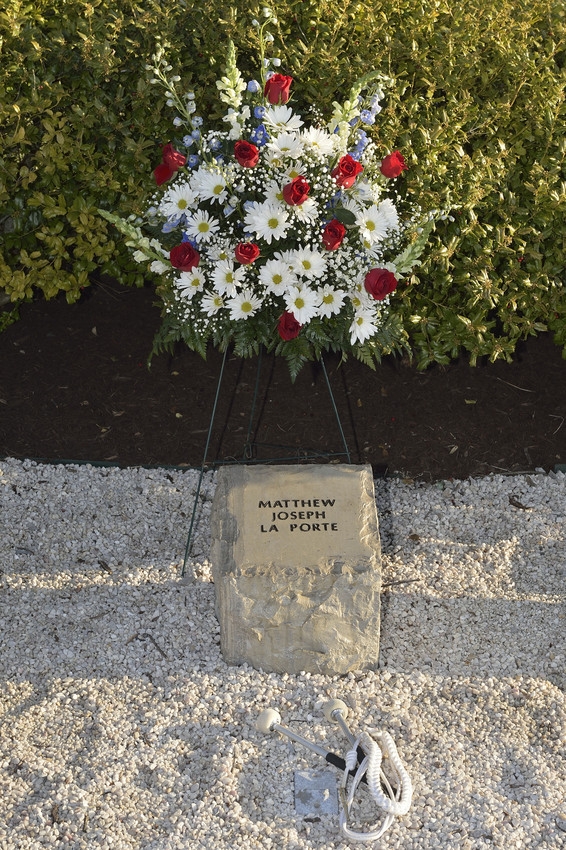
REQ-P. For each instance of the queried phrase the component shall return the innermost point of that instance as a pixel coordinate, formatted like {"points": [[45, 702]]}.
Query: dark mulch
{"points": [[74, 385]]}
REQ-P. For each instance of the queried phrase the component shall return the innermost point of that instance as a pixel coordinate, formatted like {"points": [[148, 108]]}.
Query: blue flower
{"points": [[196, 134], [187, 141], [259, 136], [187, 238], [228, 210], [259, 112], [367, 117], [193, 160], [214, 144], [168, 226], [361, 145], [196, 121], [253, 86]]}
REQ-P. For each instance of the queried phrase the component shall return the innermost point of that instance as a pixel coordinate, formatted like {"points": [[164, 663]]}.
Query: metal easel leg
{"points": [[203, 464], [346, 450]]}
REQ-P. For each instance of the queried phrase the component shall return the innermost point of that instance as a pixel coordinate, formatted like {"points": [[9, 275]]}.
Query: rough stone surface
{"points": [[296, 562]]}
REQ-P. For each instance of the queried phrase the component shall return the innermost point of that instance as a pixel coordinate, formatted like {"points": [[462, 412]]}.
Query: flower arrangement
{"points": [[268, 231]]}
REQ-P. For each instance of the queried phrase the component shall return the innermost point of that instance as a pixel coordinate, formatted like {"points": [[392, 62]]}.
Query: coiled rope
{"points": [[376, 745]]}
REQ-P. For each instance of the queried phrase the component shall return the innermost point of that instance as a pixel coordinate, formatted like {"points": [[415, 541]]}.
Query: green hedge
{"points": [[478, 112]]}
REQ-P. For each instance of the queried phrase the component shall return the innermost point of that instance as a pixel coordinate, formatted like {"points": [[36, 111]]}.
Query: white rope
{"points": [[375, 746]]}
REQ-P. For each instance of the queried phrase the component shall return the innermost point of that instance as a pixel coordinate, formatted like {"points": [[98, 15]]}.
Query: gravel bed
{"points": [[122, 727]]}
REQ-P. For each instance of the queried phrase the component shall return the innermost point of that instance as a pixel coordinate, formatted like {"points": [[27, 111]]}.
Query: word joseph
{"points": [[296, 515]]}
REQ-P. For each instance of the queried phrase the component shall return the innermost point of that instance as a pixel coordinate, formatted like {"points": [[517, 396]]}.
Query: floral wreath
{"points": [[271, 232]]}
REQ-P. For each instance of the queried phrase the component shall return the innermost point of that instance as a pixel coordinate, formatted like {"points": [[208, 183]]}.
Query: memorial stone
{"points": [[296, 564]]}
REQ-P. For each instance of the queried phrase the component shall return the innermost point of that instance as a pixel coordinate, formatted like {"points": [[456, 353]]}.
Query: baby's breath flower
{"points": [[308, 259]]}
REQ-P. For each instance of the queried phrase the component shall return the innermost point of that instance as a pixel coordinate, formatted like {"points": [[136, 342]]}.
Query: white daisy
{"points": [[275, 159], [302, 302], [374, 252], [274, 191], [211, 303], [308, 263], [209, 185], [286, 145], [372, 225], [318, 140], [282, 117], [243, 305], [307, 211], [285, 257], [268, 221], [331, 300], [190, 282], [177, 200], [350, 204], [360, 298], [363, 190], [226, 278], [389, 214], [201, 226], [363, 326], [221, 250], [277, 277]]}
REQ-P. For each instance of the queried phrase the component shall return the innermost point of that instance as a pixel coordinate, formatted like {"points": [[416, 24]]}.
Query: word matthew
{"points": [[300, 520]]}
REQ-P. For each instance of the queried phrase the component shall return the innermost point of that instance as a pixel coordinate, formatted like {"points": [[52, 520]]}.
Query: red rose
{"points": [[346, 171], [393, 165], [380, 283], [296, 192], [171, 161], [246, 252], [184, 257], [162, 173], [277, 88], [246, 154], [333, 234], [288, 327], [172, 158]]}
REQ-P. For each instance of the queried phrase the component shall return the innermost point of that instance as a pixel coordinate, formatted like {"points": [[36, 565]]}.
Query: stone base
{"points": [[296, 564]]}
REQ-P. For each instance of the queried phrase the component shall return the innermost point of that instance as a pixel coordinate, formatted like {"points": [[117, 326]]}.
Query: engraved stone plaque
{"points": [[296, 564]]}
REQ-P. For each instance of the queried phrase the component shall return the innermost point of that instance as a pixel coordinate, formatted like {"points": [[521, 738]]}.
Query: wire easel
{"points": [[249, 455]]}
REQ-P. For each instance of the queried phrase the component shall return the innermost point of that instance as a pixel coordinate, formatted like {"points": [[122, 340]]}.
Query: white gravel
{"points": [[122, 727]]}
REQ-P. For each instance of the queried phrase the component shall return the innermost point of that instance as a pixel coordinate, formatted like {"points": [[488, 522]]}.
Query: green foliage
{"points": [[477, 109], [9, 316]]}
